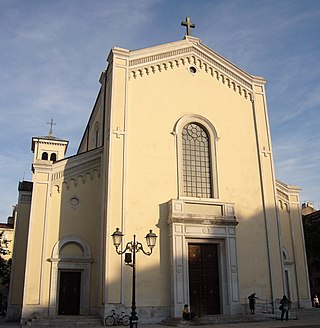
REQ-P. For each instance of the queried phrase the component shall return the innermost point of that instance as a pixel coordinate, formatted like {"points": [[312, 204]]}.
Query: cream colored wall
{"points": [[139, 176], [154, 104], [89, 141], [84, 143], [53, 217], [50, 147], [114, 170], [293, 242], [96, 122], [34, 265], [152, 155], [82, 221]]}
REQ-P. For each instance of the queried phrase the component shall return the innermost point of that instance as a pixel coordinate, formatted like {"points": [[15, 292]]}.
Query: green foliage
{"points": [[3, 245], [5, 270], [5, 265], [312, 238]]}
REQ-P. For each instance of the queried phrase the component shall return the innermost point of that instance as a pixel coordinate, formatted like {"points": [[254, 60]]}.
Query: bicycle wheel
{"points": [[109, 320], [125, 320]]}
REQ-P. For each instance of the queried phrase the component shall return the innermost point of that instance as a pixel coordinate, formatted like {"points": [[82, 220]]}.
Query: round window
{"points": [[74, 201], [193, 70]]}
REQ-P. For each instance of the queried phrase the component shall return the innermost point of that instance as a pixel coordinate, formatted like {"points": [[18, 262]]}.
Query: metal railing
{"points": [[262, 306], [266, 307]]}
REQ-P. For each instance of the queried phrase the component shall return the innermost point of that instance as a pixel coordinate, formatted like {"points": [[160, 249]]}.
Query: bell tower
{"points": [[48, 148], [48, 151]]}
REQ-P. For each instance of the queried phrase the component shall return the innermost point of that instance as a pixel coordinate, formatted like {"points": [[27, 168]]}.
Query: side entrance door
{"points": [[204, 279], [69, 293]]}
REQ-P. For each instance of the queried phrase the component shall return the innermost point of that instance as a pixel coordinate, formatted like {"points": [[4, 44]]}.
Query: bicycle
{"points": [[115, 319]]}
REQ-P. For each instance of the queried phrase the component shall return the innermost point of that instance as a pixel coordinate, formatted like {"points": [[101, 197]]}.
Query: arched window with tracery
{"points": [[197, 180], [197, 169]]}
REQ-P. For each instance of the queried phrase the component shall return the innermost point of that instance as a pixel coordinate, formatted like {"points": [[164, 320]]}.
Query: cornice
{"points": [[77, 169], [209, 220], [189, 51], [198, 55], [48, 141], [281, 186]]}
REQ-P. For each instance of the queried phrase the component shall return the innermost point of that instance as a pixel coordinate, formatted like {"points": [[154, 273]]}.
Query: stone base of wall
{"points": [[13, 313]]}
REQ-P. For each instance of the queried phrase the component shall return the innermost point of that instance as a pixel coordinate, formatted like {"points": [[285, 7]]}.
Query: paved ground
{"points": [[312, 322]]}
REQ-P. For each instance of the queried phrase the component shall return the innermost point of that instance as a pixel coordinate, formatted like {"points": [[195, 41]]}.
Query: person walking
{"points": [[284, 307]]}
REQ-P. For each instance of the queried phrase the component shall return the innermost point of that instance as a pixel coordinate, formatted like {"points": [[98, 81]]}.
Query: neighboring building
{"points": [[7, 241], [178, 141], [307, 208], [311, 222], [20, 249]]}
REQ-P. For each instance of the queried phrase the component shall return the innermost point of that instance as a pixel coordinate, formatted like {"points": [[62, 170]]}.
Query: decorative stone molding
{"points": [[77, 169], [204, 213], [200, 60], [75, 174], [157, 57], [79, 263], [71, 239], [203, 222]]}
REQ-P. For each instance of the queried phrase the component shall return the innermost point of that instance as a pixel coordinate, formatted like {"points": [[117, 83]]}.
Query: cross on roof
{"points": [[188, 25], [51, 124]]}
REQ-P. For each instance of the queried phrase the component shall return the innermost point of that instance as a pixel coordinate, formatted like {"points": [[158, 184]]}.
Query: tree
{"points": [[311, 224], [5, 265]]}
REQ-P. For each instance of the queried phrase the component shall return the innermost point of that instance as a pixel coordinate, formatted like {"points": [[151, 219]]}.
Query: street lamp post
{"points": [[132, 247]]}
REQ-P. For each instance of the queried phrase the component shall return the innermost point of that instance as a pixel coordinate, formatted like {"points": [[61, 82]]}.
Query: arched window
{"points": [[44, 156], [53, 157], [196, 164], [197, 169], [287, 273]]}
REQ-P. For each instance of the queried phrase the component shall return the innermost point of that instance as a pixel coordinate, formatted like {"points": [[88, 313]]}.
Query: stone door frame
{"points": [[82, 264], [201, 228]]}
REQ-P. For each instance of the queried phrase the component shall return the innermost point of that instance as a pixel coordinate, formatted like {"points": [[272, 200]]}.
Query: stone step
{"points": [[66, 321], [215, 319], [308, 312]]}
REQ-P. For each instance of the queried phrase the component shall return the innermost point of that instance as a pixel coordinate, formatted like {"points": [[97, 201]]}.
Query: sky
{"points": [[53, 52]]}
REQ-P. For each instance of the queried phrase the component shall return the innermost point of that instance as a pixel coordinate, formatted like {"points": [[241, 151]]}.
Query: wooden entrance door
{"points": [[204, 279], [69, 293]]}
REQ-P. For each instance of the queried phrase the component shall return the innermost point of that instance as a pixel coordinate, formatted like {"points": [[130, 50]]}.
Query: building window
{"points": [[44, 156], [53, 157], [196, 161], [196, 157]]}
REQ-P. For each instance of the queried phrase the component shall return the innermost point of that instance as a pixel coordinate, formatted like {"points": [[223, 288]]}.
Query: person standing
{"points": [[252, 302], [316, 301], [284, 307]]}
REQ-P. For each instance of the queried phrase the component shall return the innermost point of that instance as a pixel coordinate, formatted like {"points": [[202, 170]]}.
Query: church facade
{"points": [[178, 142]]}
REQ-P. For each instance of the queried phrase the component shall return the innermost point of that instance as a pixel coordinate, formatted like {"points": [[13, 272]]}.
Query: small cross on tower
{"points": [[51, 124], [188, 25]]}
